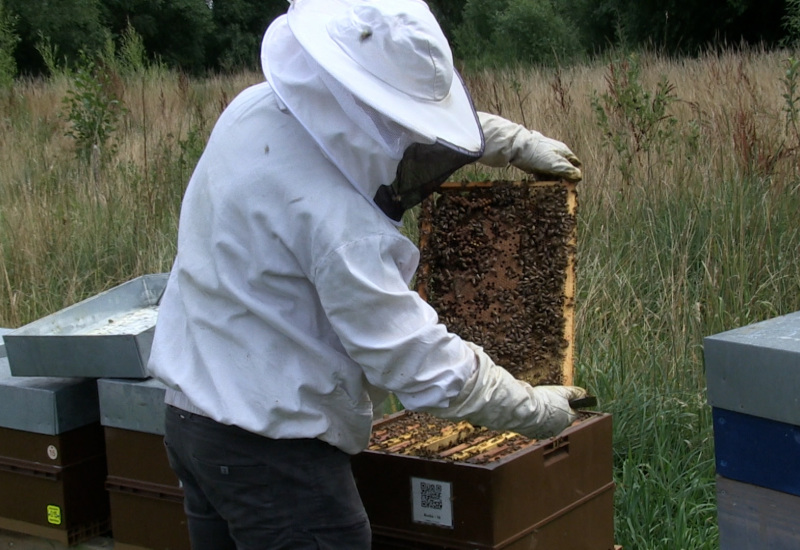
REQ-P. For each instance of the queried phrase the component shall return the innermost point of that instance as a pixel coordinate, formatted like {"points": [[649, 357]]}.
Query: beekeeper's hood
{"points": [[373, 82]]}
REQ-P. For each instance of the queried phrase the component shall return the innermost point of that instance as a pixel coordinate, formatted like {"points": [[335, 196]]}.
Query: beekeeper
{"points": [[288, 314]]}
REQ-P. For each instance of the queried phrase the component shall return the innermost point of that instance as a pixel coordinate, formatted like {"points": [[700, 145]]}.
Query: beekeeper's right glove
{"points": [[496, 400], [529, 150]]}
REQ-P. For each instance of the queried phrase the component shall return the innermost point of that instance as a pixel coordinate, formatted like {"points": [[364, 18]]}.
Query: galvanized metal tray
{"points": [[107, 335]]}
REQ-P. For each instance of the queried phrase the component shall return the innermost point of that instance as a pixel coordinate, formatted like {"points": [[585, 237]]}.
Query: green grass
{"points": [[657, 274]]}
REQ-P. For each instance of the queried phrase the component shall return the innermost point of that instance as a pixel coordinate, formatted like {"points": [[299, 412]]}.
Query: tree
{"points": [[239, 26], [677, 26], [8, 43], [506, 32], [175, 31], [448, 13], [70, 25]]}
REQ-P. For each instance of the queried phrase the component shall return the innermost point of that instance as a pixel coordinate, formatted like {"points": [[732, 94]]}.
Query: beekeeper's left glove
{"points": [[530, 151], [493, 398]]}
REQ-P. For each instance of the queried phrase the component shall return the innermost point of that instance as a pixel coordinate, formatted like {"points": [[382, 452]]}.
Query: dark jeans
{"points": [[247, 492]]}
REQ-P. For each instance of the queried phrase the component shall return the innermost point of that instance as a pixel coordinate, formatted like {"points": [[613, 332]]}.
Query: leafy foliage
{"points": [[132, 55], [676, 26], [508, 32], [93, 109], [197, 36], [635, 122], [239, 26], [72, 26], [175, 31], [791, 22], [8, 42]]}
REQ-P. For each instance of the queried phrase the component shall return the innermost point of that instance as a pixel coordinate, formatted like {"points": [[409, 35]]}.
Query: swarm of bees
{"points": [[497, 264]]}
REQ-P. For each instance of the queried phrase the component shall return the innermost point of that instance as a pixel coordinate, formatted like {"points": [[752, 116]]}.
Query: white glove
{"points": [[496, 400], [511, 143]]}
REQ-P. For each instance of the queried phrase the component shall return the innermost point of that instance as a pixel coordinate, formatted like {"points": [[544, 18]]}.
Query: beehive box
{"points": [[108, 335], [52, 458], [756, 450], [2, 342], [755, 369], [145, 494], [554, 493], [753, 378], [498, 265], [46, 405], [751, 516], [147, 518]]}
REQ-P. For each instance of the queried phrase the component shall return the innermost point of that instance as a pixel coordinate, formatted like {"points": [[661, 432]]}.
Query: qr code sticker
{"points": [[431, 495], [432, 502]]}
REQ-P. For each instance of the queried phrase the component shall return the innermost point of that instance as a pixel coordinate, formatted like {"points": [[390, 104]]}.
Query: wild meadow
{"points": [[688, 225]]}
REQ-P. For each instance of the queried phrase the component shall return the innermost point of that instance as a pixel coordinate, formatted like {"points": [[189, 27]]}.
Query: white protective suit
{"points": [[287, 311], [288, 303]]}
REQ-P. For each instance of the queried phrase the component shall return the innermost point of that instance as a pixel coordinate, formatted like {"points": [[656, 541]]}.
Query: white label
{"points": [[432, 502], [52, 452]]}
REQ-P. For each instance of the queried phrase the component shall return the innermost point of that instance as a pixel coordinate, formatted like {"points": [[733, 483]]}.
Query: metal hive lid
{"points": [[755, 369], [136, 405], [46, 405]]}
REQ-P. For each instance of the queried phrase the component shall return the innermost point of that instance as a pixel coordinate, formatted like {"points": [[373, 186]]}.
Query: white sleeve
{"points": [[387, 328]]}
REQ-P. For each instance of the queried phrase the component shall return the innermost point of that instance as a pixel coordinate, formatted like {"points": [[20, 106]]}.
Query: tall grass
{"points": [[687, 227], [71, 226], [695, 235]]}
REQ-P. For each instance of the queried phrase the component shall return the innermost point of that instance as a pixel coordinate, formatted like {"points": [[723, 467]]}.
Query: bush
{"points": [[510, 32], [93, 108]]}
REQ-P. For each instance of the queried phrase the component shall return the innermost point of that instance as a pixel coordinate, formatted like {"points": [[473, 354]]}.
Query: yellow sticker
{"points": [[54, 514]]}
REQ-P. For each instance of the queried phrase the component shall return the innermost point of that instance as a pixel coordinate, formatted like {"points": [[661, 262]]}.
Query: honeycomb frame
{"points": [[497, 263]]}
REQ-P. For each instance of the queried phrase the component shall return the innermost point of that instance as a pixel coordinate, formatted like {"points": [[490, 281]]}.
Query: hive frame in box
{"points": [[533, 297], [500, 504]]}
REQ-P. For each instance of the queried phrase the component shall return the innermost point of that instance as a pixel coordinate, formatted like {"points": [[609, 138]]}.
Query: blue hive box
{"points": [[757, 450]]}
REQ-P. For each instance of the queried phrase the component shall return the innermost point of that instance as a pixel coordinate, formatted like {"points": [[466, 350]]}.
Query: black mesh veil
{"points": [[423, 169]]}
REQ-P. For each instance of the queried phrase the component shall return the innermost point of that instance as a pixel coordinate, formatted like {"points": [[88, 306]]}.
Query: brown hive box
{"points": [[145, 493], [52, 485], [52, 458], [498, 265], [554, 494], [146, 496]]}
